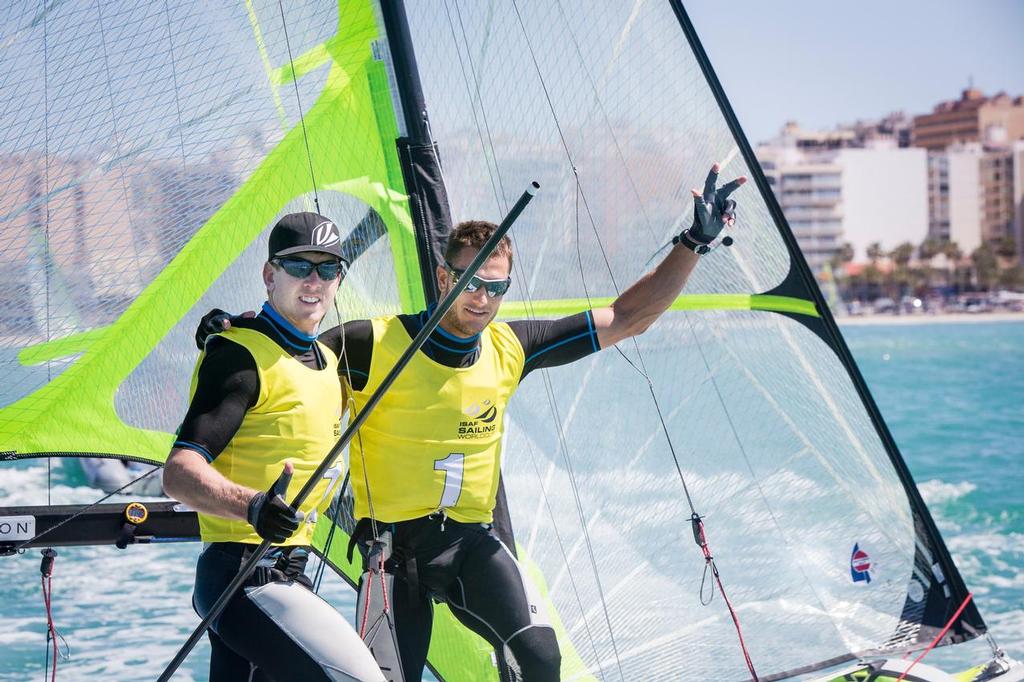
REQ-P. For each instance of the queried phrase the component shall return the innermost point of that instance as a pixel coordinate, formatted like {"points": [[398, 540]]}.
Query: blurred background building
{"points": [[943, 189]]}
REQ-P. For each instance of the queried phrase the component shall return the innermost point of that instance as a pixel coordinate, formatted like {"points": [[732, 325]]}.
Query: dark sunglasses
{"points": [[300, 268], [493, 287]]}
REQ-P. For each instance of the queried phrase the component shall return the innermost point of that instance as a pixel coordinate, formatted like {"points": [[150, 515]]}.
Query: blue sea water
{"points": [[952, 395]]}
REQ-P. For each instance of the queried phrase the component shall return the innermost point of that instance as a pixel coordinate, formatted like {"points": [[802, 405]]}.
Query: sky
{"points": [[823, 62]]}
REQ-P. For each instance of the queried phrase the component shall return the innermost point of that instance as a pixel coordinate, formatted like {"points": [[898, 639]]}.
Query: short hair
{"points": [[474, 234]]}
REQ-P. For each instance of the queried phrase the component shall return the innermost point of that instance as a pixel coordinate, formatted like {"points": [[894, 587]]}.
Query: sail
{"points": [[146, 150], [745, 385]]}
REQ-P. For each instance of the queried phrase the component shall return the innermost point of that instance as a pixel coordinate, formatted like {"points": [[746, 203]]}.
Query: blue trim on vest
{"points": [[286, 329], [196, 447], [449, 348], [593, 330], [556, 345], [461, 339], [468, 343]]}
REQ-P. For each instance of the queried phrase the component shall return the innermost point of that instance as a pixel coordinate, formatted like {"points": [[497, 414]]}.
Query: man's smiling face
{"points": [[472, 311]]}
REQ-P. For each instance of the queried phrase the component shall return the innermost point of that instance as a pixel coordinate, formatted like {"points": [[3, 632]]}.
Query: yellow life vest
{"points": [[434, 441], [296, 418]]}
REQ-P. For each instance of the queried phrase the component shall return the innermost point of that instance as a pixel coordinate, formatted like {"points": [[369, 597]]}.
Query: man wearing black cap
{"points": [[266, 407]]}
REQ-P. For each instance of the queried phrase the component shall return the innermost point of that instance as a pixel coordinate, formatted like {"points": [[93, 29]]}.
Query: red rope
{"points": [[709, 560], [51, 629], [369, 597], [938, 637], [383, 585], [366, 608]]}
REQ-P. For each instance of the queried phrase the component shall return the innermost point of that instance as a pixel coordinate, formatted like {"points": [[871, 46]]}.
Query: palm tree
{"points": [[986, 265], [901, 256], [953, 253], [874, 252]]}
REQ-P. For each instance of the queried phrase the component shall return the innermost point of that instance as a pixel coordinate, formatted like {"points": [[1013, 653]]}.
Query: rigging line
{"points": [[359, 432], [497, 187], [84, 509], [607, 119], [561, 548], [476, 123], [573, 485], [642, 369], [503, 201], [499, 198], [117, 134], [938, 637], [302, 118], [548, 387], [319, 574], [497, 184], [174, 81], [567, 459], [46, 238]]}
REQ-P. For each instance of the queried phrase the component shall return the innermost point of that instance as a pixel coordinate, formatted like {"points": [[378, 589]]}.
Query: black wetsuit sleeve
{"points": [[549, 343], [228, 386], [355, 340]]}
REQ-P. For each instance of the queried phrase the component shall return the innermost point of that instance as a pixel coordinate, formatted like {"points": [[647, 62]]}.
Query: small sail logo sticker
{"points": [[860, 565], [326, 234]]}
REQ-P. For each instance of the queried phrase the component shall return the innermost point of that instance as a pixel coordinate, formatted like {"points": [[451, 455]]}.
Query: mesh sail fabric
{"points": [[609, 111], [146, 151]]}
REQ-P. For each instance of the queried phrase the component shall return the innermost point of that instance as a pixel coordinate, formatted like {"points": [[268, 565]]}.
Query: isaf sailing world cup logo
{"points": [[481, 422]]}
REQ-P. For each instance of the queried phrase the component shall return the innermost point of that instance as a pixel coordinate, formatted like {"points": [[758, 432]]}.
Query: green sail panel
{"points": [[178, 210]]}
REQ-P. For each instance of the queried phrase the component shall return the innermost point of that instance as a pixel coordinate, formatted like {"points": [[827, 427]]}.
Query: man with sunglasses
{"points": [[266, 407], [427, 461]]}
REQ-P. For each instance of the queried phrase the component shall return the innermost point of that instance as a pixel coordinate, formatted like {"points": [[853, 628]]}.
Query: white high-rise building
{"points": [[848, 186]]}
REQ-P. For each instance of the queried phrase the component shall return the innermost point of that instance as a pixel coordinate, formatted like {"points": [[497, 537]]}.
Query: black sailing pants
{"points": [[469, 568]]}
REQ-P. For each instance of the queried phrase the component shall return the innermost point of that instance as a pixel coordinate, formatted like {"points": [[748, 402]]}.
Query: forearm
{"points": [[189, 478], [640, 305]]}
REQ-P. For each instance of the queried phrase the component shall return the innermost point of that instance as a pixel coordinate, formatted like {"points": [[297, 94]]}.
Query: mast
{"points": [[421, 166]]}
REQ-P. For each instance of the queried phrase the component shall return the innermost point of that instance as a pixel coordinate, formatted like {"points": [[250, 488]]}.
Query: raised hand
{"points": [[713, 210]]}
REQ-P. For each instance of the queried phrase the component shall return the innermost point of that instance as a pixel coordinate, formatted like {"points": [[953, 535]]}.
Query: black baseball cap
{"points": [[300, 232]]}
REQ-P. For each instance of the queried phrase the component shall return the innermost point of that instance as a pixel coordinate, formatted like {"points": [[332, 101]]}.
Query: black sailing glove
{"points": [[270, 514], [212, 323], [713, 211]]}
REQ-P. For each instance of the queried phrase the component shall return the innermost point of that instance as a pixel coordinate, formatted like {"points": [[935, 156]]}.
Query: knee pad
{"points": [[536, 653]]}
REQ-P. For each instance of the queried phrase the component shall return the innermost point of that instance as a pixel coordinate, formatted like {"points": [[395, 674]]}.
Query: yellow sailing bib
{"points": [[434, 441], [296, 418]]}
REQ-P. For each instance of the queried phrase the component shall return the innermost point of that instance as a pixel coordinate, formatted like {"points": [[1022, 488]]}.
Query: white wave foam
{"points": [[938, 492]]}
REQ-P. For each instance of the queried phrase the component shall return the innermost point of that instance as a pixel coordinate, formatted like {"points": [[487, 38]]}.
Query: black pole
{"points": [[835, 338], [417, 153], [407, 77], [250, 564]]}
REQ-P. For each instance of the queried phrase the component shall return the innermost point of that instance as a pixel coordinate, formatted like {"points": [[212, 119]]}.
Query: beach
{"points": [[928, 318]]}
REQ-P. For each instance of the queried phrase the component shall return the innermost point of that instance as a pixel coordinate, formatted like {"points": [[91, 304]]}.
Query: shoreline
{"points": [[925, 318]]}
